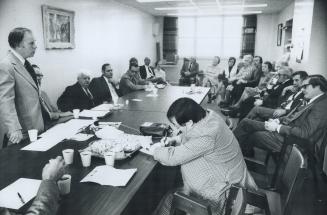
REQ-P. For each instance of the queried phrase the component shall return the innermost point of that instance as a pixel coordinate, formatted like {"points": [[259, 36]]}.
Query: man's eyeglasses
{"points": [[304, 86]]}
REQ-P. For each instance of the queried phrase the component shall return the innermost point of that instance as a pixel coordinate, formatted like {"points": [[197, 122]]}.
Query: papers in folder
{"points": [[107, 175], [56, 134], [26, 187]]}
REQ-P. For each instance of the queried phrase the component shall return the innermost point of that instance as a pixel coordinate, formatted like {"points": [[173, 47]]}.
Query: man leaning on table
{"points": [[47, 197], [77, 96], [131, 80], [20, 108]]}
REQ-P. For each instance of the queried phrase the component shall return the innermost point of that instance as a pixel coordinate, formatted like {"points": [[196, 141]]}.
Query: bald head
{"points": [[83, 78]]}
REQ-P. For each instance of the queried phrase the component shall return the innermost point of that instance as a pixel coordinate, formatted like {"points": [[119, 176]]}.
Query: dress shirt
{"points": [[291, 99], [111, 89], [149, 72], [314, 98], [88, 93]]}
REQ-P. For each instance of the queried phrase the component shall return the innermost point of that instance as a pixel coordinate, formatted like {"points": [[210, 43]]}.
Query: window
{"points": [[209, 36]]}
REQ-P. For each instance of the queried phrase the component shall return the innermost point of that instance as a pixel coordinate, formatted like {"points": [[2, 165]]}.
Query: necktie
{"points": [[88, 93], [31, 71], [295, 113]]}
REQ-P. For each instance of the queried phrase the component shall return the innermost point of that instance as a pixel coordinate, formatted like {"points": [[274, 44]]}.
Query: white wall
{"points": [[105, 31], [266, 36]]}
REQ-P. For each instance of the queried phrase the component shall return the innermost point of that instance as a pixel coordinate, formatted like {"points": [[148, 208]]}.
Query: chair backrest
{"points": [[189, 204], [236, 201], [292, 179]]}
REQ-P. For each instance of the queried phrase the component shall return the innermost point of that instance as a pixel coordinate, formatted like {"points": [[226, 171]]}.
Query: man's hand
{"points": [[15, 136], [168, 141], [258, 102], [291, 88], [229, 87], [187, 73], [54, 170], [65, 114], [271, 125], [279, 112]]}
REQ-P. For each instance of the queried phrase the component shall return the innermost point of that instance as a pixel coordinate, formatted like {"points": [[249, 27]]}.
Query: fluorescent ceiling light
{"points": [[149, 1], [212, 7], [215, 14]]}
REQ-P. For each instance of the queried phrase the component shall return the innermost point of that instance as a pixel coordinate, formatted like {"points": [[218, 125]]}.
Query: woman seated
{"points": [[211, 79], [264, 81], [208, 153]]}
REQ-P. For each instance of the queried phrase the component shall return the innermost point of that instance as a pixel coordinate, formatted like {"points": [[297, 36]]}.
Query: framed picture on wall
{"points": [[279, 34], [58, 28]]}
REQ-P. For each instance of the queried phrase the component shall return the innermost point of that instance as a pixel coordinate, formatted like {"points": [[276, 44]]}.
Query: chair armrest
{"points": [[258, 199]]}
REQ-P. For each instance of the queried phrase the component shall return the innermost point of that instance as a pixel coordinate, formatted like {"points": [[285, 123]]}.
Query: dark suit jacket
{"points": [[295, 101], [100, 90], [274, 94], [143, 72], [74, 97], [311, 124]]}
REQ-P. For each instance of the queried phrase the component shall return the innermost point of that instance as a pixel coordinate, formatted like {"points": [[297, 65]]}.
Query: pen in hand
{"points": [[21, 198]]}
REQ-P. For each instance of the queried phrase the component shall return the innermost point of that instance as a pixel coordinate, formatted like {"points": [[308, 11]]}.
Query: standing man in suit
{"points": [[307, 121], [20, 108], [104, 88], [77, 96]]}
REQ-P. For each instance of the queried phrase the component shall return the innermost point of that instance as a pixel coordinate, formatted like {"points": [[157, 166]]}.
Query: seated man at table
{"points": [[50, 112], [308, 121], [104, 88], [147, 72], [77, 96], [47, 198], [131, 80], [207, 152], [189, 71]]}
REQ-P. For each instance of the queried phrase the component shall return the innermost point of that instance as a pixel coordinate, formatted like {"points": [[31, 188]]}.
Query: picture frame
{"points": [[279, 34], [58, 28]]}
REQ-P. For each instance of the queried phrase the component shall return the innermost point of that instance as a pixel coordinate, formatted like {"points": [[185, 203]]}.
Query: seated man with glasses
{"points": [[308, 121]]}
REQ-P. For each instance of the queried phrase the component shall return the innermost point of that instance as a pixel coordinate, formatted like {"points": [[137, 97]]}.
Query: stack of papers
{"points": [[27, 189], [150, 150], [56, 134], [107, 175]]}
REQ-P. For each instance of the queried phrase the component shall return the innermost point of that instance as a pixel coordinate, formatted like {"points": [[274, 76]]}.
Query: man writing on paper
{"points": [[47, 198], [20, 108]]}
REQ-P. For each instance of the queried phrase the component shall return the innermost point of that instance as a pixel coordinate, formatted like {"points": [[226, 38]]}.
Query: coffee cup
{"points": [[86, 158], [32, 134], [64, 184], [76, 113], [68, 155], [109, 157]]}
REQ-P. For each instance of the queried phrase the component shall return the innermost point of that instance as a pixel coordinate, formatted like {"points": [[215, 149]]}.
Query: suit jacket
{"points": [[143, 73], [274, 94], [295, 101], [100, 90], [310, 124], [45, 202], [19, 97], [74, 97], [130, 82], [194, 70]]}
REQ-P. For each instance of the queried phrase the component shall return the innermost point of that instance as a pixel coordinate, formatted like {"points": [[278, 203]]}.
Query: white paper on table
{"points": [[137, 100], [113, 124], [103, 107], [26, 187], [150, 150], [57, 133], [109, 132], [107, 175], [93, 113]]}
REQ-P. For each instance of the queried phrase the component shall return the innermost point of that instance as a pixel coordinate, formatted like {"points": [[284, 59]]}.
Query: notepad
{"points": [[26, 187], [107, 175], [93, 113]]}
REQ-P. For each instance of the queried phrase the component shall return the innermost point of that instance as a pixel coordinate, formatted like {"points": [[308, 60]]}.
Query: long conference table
{"points": [[145, 188]]}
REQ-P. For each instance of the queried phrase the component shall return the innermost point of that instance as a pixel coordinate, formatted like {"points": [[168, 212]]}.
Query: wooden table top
{"points": [[90, 198]]}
